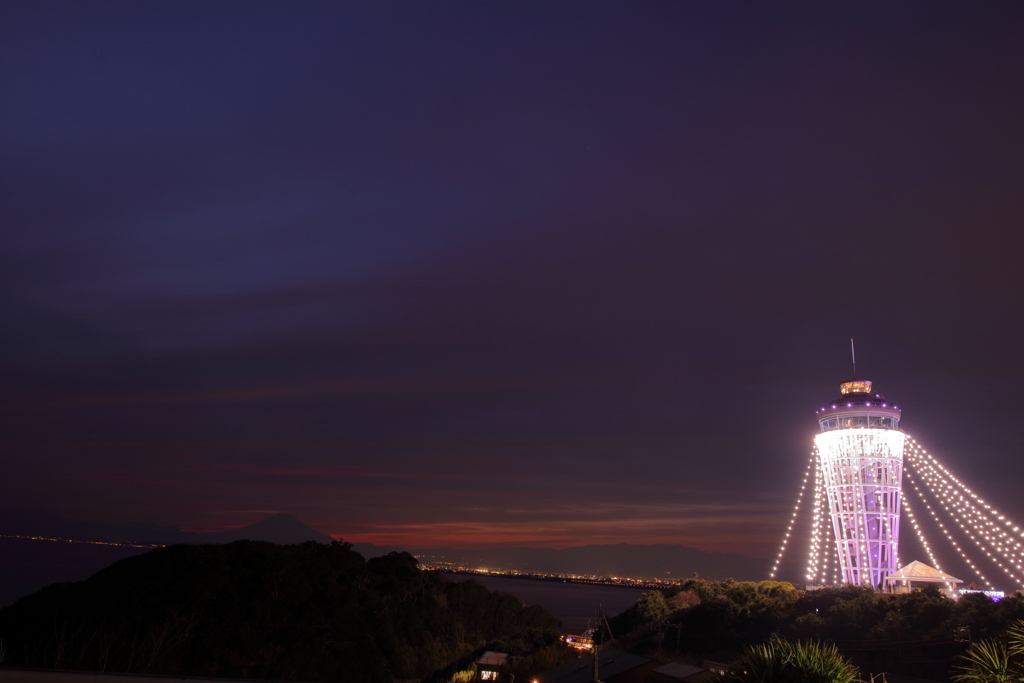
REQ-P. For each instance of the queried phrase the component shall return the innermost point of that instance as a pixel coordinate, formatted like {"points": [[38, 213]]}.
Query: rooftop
{"points": [[611, 663]]}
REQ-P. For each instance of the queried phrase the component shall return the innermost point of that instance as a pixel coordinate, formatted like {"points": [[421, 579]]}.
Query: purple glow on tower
{"points": [[860, 452]]}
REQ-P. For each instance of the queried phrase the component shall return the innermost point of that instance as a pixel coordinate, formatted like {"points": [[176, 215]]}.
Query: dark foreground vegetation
{"points": [[921, 634], [780, 661], [308, 612]]}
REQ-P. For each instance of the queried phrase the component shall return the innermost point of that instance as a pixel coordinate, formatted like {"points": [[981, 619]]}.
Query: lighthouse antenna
{"points": [[853, 355]]}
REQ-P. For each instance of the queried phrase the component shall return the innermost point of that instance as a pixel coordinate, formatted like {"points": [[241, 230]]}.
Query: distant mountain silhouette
{"points": [[39, 523], [279, 528], [27, 565], [369, 550], [621, 559]]}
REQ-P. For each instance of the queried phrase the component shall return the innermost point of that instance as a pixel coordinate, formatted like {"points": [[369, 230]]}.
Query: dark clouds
{"points": [[560, 273]]}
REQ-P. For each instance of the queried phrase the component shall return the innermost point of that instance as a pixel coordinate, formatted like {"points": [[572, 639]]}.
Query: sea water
{"points": [[572, 603]]}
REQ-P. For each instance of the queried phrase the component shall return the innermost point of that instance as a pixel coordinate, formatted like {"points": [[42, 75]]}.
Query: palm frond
{"points": [[1016, 638], [987, 662], [780, 661]]}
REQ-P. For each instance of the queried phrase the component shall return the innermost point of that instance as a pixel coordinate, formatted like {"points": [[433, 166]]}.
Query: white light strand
{"points": [[945, 531], [814, 551], [920, 536], [1005, 543], [951, 509], [969, 523], [1007, 522], [969, 518], [796, 510], [864, 503], [837, 570], [824, 535], [830, 545], [995, 535]]}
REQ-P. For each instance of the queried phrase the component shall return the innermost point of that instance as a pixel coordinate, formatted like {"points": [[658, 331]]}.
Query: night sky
{"points": [[483, 273]]}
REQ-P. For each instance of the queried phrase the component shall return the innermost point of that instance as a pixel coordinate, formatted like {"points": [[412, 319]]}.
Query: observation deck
{"points": [[858, 406]]}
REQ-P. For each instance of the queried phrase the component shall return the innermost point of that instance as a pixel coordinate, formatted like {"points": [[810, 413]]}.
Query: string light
{"points": [[861, 471], [792, 520], [920, 537], [945, 531], [820, 537], [821, 529], [998, 537], [814, 552], [979, 521], [827, 540], [952, 510], [1004, 543], [826, 525]]}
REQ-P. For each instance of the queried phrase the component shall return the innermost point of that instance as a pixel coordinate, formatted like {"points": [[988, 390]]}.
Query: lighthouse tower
{"points": [[860, 451]]}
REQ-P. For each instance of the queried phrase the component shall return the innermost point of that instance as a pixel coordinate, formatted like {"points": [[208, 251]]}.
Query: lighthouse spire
{"points": [[853, 355]]}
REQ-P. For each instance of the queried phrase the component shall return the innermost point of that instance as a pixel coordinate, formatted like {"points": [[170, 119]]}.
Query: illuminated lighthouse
{"points": [[860, 455]]}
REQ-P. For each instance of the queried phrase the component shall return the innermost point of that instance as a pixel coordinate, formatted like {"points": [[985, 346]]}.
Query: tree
{"points": [[781, 661], [652, 606], [306, 612]]}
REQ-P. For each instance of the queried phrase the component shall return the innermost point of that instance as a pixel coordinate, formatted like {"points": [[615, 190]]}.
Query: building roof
{"points": [[675, 671], [919, 571], [490, 658], [610, 661]]}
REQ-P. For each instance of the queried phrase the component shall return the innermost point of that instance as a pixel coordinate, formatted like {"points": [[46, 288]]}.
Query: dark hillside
{"points": [[918, 634], [258, 610]]}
